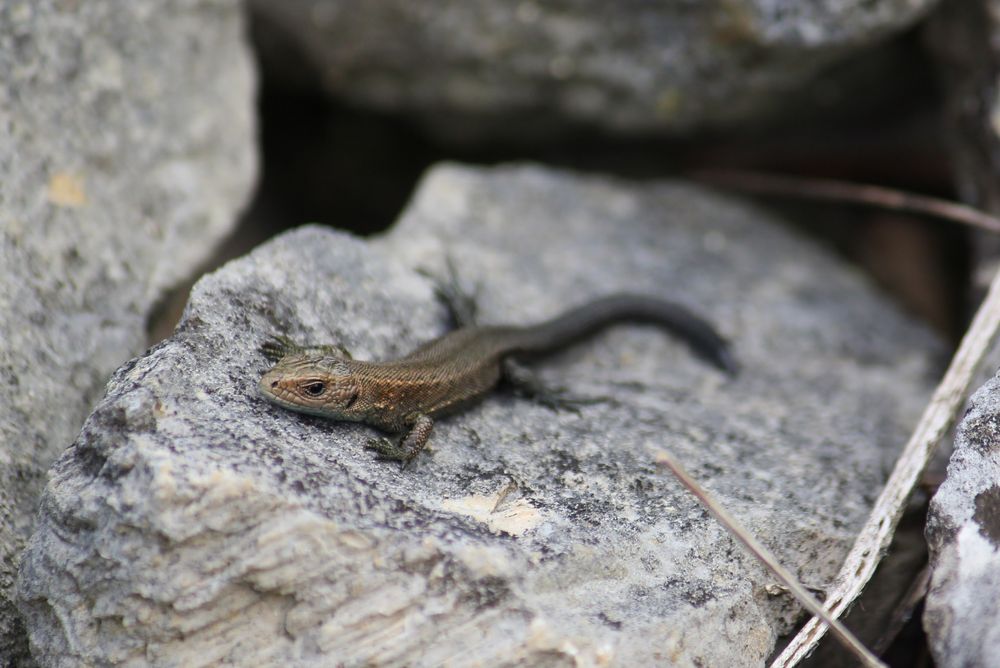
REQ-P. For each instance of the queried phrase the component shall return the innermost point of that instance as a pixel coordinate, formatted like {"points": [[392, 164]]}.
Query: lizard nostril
{"points": [[274, 384]]}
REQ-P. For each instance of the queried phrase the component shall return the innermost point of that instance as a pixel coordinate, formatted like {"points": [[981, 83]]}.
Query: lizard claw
{"points": [[387, 450], [557, 399]]}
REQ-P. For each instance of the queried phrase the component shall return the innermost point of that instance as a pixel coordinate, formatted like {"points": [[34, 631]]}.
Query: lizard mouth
{"points": [[274, 393], [270, 388]]}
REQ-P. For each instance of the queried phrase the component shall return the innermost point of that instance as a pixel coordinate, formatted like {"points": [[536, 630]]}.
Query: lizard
{"points": [[404, 396]]}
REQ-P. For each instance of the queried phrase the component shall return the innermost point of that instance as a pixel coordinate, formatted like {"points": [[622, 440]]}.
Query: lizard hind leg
{"points": [[528, 384]]}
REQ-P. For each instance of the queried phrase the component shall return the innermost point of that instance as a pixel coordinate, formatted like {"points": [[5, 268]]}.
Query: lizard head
{"points": [[319, 386]]}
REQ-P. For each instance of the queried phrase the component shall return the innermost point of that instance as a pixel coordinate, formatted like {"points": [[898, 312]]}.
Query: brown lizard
{"points": [[405, 395]]}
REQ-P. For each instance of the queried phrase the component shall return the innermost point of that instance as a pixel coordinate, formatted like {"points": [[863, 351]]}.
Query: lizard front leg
{"points": [[278, 346], [408, 447]]}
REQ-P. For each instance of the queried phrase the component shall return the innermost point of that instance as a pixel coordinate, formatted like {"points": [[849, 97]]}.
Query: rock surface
{"points": [[628, 66], [192, 523], [963, 528], [126, 149], [965, 36], [963, 533]]}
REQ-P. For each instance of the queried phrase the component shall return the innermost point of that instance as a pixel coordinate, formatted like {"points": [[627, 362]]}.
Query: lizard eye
{"points": [[314, 389]]}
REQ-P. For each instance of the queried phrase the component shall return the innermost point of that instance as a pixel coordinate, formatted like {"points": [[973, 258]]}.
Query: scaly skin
{"points": [[459, 368]]}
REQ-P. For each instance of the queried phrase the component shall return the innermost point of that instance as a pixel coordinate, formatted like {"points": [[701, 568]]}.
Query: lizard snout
{"points": [[268, 384]]}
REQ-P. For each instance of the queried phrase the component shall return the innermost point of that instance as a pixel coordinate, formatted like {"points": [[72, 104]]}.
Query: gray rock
{"points": [[126, 148], [194, 523], [628, 66], [964, 36], [963, 527], [963, 533]]}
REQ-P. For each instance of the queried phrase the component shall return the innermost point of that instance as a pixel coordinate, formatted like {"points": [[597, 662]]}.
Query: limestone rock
{"points": [[126, 149], [193, 523], [963, 532], [625, 66]]}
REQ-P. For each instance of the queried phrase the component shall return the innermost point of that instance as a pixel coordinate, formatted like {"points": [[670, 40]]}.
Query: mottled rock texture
{"points": [[625, 66], [192, 523], [126, 149], [963, 532]]}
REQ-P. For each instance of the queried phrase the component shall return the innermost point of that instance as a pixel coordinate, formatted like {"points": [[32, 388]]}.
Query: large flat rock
{"points": [[126, 150], [623, 66], [193, 523], [963, 532]]}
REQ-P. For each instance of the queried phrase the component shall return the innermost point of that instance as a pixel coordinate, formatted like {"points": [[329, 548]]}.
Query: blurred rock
{"points": [[964, 36], [126, 149], [963, 528], [963, 532], [193, 523], [532, 66]]}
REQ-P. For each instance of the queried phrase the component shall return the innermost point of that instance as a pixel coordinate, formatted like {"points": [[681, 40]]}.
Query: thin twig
{"points": [[845, 191], [765, 556], [875, 536]]}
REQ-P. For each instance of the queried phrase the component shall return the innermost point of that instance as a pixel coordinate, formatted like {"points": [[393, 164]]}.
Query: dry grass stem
{"points": [[939, 416], [845, 191], [765, 556]]}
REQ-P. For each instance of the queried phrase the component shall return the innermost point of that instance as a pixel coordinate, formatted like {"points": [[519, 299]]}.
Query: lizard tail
{"points": [[584, 320]]}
